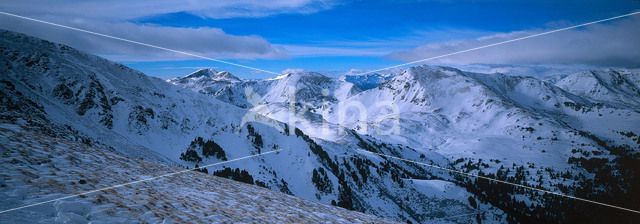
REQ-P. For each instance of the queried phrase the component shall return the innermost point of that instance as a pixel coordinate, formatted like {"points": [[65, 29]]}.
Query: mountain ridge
{"points": [[539, 126]]}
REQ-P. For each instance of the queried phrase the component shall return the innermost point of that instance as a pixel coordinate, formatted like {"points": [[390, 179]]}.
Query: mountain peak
{"points": [[307, 74], [204, 72], [211, 74], [226, 76], [300, 74]]}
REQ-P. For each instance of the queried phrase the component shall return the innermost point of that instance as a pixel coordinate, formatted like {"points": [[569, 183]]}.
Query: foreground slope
{"points": [[37, 168]]}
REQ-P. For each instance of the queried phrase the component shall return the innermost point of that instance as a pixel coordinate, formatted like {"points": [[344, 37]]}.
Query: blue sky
{"points": [[335, 36], [379, 27], [365, 20]]}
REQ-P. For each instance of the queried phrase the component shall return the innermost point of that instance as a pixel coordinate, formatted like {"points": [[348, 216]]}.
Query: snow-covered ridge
{"points": [[306, 86], [608, 86]]}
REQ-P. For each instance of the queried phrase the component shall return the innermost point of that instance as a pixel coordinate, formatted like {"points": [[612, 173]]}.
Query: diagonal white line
{"points": [[462, 215], [137, 181], [503, 182], [502, 42], [137, 42]]}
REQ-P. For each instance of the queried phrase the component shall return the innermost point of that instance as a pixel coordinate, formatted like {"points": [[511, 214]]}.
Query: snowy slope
{"points": [[38, 168], [620, 87], [488, 122]]}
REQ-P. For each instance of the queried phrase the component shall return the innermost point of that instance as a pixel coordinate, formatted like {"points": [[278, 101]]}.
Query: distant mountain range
{"points": [[575, 133]]}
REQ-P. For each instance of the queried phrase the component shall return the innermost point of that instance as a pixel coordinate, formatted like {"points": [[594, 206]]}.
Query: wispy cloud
{"points": [[378, 46], [125, 9], [292, 70], [318, 51], [611, 44]]}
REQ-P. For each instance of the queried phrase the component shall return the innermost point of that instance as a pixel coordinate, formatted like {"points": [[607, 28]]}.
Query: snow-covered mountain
{"points": [[561, 134], [67, 94], [564, 134], [206, 80]]}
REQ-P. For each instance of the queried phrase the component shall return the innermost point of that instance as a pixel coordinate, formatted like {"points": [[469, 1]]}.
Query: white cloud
{"points": [[111, 17], [377, 46], [292, 70], [210, 42], [316, 51], [611, 44]]}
